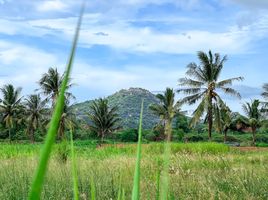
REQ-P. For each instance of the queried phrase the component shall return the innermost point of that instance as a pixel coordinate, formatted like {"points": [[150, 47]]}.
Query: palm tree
{"points": [[223, 119], [50, 84], [10, 106], [166, 110], [67, 121], [104, 118], [253, 114], [35, 110], [265, 92], [203, 84]]}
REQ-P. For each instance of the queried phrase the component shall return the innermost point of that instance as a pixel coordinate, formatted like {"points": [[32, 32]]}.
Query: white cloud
{"points": [[111, 80], [121, 35], [51, 5], [23, 65]]}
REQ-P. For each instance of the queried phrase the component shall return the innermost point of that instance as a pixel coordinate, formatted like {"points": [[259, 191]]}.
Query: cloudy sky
{"points": [[133, 43]]}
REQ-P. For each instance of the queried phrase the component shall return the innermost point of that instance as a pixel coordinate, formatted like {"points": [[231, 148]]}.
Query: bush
{"points": [[194, 138], [84, 134], [151, 136], [177, 135], [129, 135], [262, 138]]}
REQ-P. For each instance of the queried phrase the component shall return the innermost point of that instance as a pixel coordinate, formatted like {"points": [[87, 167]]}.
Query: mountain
{"points": [[129, 104]]}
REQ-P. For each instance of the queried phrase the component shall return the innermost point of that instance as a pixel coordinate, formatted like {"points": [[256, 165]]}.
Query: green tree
{"points": [[202, 84], [223, 119], [253, 114], [50, 84], [10, 106], [36, 111], [104, 118], [67, 121], [166, 110]]}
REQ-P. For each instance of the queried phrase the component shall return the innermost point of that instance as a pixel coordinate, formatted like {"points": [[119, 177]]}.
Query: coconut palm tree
{"points": [[36, 111], [67, 121], [104, 118], [253, 114], [10, 106], [202, 84], [223, 119], [166, 110], [50, 84]]}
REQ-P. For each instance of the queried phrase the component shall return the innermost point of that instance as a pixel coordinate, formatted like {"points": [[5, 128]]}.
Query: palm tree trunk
{"points": [[210, 119], [225, 135], [168, 130], [102, 137], [253, 136], [32, 135], [9, 134]]}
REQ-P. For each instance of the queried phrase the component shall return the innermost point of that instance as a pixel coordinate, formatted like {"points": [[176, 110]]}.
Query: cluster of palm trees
{"points": [[33, 112], [202, 85]]}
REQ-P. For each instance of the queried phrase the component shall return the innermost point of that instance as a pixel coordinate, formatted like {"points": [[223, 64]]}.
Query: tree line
{"points": [[201, 85]]}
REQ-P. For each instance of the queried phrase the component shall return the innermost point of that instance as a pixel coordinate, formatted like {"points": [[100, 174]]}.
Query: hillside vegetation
{"points": [[128, 103]]}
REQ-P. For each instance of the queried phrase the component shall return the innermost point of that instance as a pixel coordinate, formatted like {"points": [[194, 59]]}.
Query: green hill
{"points": [[128, 103]]}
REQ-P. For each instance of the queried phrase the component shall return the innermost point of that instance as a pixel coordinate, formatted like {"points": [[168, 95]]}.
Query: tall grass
{"points": [[74, 170], [164, 189], [36, 188], [136, 183]]}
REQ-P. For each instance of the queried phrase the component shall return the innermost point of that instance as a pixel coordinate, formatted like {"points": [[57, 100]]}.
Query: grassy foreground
{"points": [[197, 171]]}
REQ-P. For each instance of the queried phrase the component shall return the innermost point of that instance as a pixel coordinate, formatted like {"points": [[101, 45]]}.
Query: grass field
{"points": [[197, 171]]}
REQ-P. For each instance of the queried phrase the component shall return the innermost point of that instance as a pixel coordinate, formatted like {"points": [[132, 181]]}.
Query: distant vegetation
{"points": [[27, 118]]}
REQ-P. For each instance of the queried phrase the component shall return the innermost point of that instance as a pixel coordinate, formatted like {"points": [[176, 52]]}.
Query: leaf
{"points": [[136, 184], [38, 181]]}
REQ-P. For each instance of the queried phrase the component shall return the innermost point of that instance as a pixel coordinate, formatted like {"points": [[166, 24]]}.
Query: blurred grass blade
{"points": [[136, 184], [74, 170], [92, 189], [164, 192], [119, 196], [158, 181], [123, 194], [36, 188]]}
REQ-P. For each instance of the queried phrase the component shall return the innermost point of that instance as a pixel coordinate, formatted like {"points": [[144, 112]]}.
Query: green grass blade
{"points": [[158, 182], [38, 181], [164, 192], [74, 170], [136, 184], [92, 189], [119, 196], [123, 194]]}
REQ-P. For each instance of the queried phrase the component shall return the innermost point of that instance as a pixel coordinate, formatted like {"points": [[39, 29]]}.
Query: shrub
{"points": [[129, 135], [194, 138], [262, 138]]}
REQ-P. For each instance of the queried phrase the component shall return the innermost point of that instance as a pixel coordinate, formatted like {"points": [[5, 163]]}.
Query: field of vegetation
{"points": [[197, 171], [159, 162]]}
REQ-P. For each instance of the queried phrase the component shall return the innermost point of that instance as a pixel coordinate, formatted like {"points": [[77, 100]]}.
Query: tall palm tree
{"points": [[223, 119], [35, 110], [50, 84], [202, 83], [10, 106], [253, 114], [265, 92], [166, 110], [67, 121], [104, 118]]}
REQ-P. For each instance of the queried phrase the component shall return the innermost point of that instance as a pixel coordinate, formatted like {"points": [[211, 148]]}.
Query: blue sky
{"points": [[134, 43]]}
